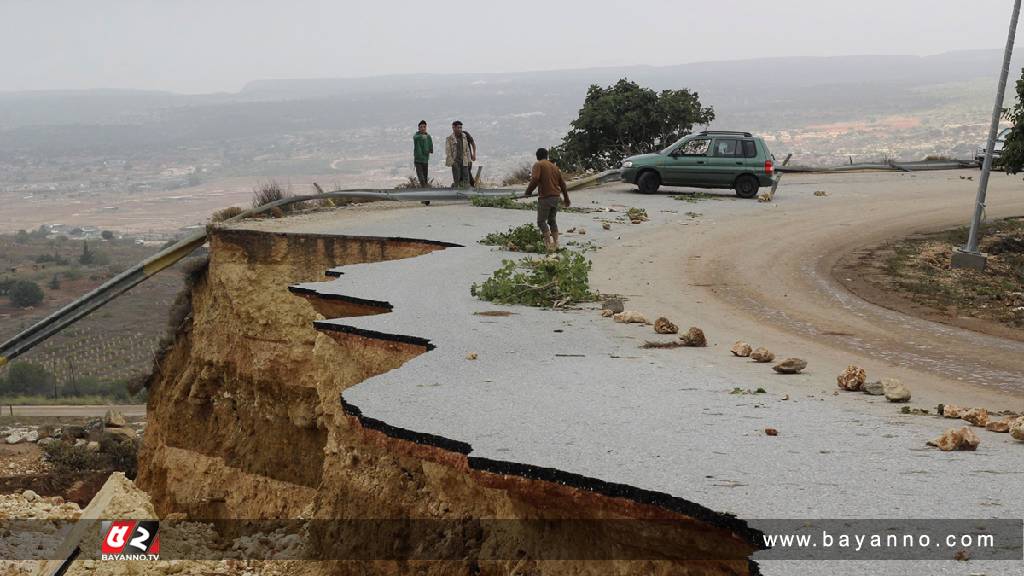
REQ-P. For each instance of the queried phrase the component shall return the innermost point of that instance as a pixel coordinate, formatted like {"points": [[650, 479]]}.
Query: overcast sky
{"points": [[218, 45]]}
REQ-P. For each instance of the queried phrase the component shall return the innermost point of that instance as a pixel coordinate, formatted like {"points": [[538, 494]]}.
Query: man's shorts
{"points": [[547, 208]]}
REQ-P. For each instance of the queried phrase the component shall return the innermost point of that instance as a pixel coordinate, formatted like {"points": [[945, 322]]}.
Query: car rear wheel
{"points": [[747, 186], [648, 183]]}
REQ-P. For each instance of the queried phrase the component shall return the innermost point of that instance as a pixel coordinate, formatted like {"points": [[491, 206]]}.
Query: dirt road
{"points": [[130, 411], [764, 273]]}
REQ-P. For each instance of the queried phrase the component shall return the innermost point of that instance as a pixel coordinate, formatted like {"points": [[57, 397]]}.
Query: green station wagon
{"points": [[729, 160]]}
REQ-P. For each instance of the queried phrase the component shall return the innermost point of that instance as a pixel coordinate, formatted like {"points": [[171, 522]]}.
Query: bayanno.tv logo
{"points": [[129, 540]]}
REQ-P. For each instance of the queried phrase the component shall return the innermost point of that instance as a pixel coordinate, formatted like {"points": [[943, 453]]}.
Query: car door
{"points": [[726, 162], [687, 165]]}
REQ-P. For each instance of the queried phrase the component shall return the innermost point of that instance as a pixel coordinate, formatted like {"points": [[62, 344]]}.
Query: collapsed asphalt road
{"points": [[664, 420]]}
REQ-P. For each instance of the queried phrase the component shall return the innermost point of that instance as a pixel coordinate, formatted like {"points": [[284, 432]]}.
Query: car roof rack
{"points": [[730, 132]]}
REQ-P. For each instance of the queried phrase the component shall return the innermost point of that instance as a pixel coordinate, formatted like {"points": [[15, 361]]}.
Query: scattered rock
{"points": [[771, 431], [114, 419], [820, 193], [741, 349], [962, 555], [73, 432], [1000, 426], [913, 411], [571, 230], [606, 226], [953, 439], [694, 337], [976, 416], [662, 345], [120, 434], [1017, 429], [895, 391], [471, 356], [31, 496], [15, 437], [582, 231], [873, 388], [630, 317], [664, 326], [762, 355], [32, 436], [46, 441], [94, 429], [614, 304], [607, 313], [92, 446], [790, 366], [852, 378], [951, 411]]}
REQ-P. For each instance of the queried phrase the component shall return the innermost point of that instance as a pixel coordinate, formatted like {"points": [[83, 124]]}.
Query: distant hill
{"points": [[788, 73], [514, 112]]}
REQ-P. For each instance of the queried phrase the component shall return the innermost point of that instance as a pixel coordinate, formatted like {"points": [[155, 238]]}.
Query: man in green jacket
{"points": [[422, 148]]}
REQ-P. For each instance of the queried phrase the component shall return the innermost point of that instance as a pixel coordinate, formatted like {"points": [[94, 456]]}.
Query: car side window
{"points": [[694, 148], [749, 149], [726, 148]]}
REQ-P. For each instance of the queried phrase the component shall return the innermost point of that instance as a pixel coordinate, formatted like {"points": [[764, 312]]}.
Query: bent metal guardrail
{"points": [[917, 166], [111, 289]]}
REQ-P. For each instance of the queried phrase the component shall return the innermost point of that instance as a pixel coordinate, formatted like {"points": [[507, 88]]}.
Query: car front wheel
{"points": [[648, 183], [747, 186]]}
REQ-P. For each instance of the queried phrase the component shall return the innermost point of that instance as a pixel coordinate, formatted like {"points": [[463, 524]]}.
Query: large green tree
{"points": [[1013, 150], [626, 119]]}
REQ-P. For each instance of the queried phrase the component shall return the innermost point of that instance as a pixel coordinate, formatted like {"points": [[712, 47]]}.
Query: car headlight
{"points": [[627, 164]]}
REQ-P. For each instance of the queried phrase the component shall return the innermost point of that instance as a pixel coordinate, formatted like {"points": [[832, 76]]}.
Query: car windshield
{"points": [[674, 145]]}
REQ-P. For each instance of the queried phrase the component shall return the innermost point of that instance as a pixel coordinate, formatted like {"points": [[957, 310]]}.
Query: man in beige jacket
{"points": [[460, 153]]}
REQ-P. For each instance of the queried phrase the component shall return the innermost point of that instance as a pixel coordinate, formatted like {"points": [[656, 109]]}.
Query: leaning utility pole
{"points": [[968, 256]]}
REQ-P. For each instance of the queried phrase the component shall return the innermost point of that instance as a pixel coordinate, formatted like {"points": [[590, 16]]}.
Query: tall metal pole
{"points": [[973, 259]]}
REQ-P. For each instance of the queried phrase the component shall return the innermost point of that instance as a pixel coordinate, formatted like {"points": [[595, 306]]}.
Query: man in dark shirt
{"points": [[548, 179]]}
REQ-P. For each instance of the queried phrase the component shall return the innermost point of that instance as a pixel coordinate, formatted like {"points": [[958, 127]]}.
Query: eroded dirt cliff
{"points": [[246, 421]]}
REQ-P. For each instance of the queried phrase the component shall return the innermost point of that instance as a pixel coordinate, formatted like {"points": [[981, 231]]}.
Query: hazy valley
{"points": [[149, 163]]}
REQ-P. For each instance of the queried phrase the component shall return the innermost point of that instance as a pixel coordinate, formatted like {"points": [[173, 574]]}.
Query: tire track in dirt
{"points": [[765, 273]]}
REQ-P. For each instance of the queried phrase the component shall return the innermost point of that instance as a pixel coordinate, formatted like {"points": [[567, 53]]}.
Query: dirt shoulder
{"points": [[913, 276], [764, 273]]}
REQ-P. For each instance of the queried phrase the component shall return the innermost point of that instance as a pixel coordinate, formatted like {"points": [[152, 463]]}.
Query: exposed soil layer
{"points": [[246, 421], [914, 275], [79, 490]]}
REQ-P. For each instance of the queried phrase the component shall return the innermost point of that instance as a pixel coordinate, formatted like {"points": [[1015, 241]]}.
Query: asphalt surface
{"points": [[573, 391]]}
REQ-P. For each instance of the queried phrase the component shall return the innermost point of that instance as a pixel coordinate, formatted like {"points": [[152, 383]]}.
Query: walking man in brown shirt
{"points": [[548, 179]]}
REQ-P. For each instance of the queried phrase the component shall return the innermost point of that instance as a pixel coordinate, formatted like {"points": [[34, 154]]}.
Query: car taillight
{"points": [[769, 167]]}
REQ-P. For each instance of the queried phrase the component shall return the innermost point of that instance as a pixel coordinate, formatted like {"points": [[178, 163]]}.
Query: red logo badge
{"points": [[130, 540]]}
